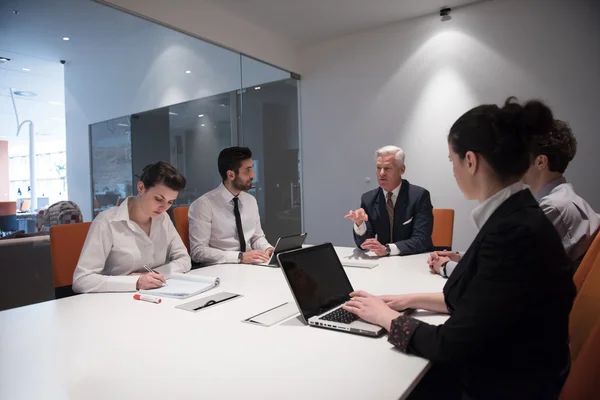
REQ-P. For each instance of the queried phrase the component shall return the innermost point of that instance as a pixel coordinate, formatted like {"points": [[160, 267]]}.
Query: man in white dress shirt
{"points": [[225, 223], [576, 222]]}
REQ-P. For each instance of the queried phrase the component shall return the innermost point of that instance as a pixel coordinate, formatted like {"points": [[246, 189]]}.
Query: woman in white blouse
{"points": [[124, 240]]}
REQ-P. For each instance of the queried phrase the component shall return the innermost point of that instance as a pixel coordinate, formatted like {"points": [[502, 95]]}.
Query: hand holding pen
{"points": [[151, 280]]}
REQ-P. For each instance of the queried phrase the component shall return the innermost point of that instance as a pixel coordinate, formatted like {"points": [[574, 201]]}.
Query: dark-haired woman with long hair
{"points": [[510, 295], [124, 240]]}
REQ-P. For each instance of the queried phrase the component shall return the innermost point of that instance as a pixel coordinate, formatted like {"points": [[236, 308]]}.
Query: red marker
{"points": [[145, 297]]}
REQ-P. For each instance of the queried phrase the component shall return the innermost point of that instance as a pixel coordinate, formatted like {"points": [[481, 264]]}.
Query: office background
{"points": [[365, 83]]}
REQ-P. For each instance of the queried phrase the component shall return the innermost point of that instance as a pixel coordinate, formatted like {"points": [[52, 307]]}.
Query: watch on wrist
{"points": [[443, 269], [240, 256], [387, 250]]}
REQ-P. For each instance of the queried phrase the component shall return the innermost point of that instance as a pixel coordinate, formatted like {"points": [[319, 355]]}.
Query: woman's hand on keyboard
{"points": [[371, 309]]}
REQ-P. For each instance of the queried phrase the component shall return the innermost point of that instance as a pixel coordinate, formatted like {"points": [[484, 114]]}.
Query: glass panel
{"points": [[188, 135], [269, 128], [199, 130], [112, 175]]}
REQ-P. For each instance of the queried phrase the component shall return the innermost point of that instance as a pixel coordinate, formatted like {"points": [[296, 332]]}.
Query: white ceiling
{"points": [[46, 109], [32, 38], [307, 21]]}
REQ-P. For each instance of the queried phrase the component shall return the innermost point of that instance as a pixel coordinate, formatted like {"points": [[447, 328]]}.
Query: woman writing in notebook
{"points": [[510, 295], [125, 242]]}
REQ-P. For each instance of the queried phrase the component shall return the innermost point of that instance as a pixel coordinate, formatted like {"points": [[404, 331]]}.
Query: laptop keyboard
{"points": [[340, 315]]}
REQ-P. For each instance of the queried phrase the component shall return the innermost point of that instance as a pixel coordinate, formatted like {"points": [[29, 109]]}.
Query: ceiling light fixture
{"points": [[200, 115], [172, 113], [26, 69], [223, 105], [257, 88], [66, 38], [188, 72], [4, 60], [24, 93], [445, 14], [125, 125]]}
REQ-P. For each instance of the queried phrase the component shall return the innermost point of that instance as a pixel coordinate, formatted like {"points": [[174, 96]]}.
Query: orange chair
{"points": [[8, 208], [583, 382], [443, 228], [182, 224], [66, 242], [586, 310], [587, 262]]}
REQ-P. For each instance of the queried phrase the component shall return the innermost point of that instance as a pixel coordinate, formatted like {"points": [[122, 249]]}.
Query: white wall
{"points": [[405, 84], [212, 23], [141, 72]]}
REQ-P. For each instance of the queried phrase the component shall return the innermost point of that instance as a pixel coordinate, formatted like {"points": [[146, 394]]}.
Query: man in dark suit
{"points": [[397, 217]]}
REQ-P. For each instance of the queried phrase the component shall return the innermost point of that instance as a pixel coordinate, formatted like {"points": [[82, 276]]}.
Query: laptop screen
{"points": [[317, 279]]}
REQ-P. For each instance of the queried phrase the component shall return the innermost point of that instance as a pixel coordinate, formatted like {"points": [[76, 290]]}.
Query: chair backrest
{"points": [[584, 379], [66, 242], [182, 224], [443, 228], [8, 208], [587, 262], [586, 310]]}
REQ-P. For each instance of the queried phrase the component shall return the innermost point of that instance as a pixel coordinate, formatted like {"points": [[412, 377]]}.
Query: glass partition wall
{"points": [[262, 114]]}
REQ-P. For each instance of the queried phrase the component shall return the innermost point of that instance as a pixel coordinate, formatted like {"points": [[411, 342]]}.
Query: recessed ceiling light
{"points": [[66, 38], [202, 125], [257, 88], [4, 60], [200, 115], [56, 103], [188, 72], [223, 105], [172, 113], [24, 93], [26, 69], [125, 125]]}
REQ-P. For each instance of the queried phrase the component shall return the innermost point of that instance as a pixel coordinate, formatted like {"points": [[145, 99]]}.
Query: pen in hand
{"points": [[147, 268]]}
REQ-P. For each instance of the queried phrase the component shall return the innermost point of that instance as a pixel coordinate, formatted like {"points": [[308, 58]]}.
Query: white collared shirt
{"points": [[484, 211], [213, 234], [573, 218], [362, 229], [116, 247]]}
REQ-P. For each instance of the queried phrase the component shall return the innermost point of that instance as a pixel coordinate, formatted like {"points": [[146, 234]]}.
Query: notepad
{"points": [[359, 259], [182, 286], [346, 262]]}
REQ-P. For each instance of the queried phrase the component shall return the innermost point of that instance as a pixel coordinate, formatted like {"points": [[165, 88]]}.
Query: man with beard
{"points": [[224, 223]]}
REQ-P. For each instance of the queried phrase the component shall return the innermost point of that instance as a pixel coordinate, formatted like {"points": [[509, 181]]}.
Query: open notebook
{"points": [[182, 286]]}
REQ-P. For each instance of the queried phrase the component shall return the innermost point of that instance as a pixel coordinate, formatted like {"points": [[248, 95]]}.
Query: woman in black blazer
{"points": [[510, 296]]}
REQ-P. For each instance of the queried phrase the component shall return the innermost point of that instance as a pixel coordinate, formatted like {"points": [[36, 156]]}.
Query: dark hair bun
{"points": [[534, 118], [502, 135]]}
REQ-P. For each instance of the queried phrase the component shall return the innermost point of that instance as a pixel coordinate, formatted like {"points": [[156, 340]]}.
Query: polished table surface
{"points": [[109, 346]]}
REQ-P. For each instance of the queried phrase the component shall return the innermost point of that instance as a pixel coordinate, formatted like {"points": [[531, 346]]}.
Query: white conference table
{"points": [[109, 346]]}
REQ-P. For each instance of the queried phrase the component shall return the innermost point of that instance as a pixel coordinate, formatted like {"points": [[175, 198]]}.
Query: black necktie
{"points": [[238, 224]]}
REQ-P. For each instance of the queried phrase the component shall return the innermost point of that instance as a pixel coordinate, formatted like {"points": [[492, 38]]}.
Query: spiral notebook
{"points": [[182, 286]]}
